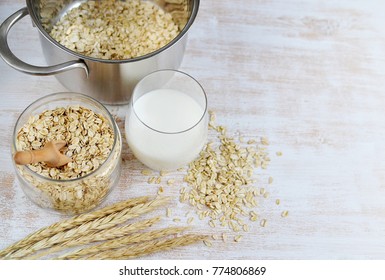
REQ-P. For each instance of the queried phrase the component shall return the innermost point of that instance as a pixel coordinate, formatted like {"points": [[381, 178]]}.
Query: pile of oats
{"points": [[90, 141], [221, 184], [221, 181], [115, 29]]}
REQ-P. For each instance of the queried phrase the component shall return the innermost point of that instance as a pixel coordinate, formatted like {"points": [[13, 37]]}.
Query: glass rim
{"points": [[178, 72], [74, 94]]}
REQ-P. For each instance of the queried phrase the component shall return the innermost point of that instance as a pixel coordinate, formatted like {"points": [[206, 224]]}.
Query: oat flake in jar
{"points": [[93, 143]]}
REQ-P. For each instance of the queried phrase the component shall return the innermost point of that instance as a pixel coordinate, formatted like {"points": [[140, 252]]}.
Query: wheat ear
{"points": [[102, 235], [123, 241], [106, 222], [71, 223], [146, 248]]}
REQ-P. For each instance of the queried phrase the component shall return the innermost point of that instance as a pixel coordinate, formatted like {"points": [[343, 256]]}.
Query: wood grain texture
{"points": [[309, 75]]}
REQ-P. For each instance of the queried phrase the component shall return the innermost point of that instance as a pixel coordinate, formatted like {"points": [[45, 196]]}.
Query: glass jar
{"points": [[77, 195]]}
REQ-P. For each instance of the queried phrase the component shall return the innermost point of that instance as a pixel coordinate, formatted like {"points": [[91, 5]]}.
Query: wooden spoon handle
{"points": [[27, 157]]}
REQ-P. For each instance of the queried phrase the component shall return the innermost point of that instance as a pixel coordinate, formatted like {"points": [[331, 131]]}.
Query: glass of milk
{"points": [[166, 124]]}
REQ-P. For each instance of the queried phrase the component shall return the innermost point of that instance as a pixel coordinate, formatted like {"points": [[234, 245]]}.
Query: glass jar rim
{"points": [[66, 95]]}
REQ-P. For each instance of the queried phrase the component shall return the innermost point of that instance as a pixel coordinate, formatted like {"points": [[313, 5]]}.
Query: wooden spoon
{"points": [[50, 154]]}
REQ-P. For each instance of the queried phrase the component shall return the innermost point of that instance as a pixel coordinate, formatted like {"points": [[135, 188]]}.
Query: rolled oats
{"points": [[115, 29], [285, 213], [221, 179], [90, 141]]}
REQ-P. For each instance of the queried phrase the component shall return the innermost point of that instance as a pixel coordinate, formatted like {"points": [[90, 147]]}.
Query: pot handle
{"points": [[7, 55]]}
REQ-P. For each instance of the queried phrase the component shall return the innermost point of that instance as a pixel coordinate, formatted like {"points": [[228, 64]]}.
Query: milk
{"points": [[165, 130]]}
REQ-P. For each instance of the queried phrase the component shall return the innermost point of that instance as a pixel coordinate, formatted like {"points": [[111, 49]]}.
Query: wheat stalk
{"points": [[146, 248], [106, 222], [70, 223], [102, 235], [123, 241]]}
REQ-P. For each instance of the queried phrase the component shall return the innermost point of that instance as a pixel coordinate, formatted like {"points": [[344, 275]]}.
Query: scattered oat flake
{"points": [[168, 212], [278, 154], [161, 190], [237, 238], [163, 173], [263, 222], [207, 243], [270, 180], [253, 216], [212, 223], [264, 141], [201, 215], [245, 228], [146, 172], [151, 180], [224, 237], [277, 201], [190, 220], [170, 182], [285, 213], [176, 220]]}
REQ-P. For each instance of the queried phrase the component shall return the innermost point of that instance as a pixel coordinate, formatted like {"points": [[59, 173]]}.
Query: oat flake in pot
{"points": [[110, 79], [115, 29]]}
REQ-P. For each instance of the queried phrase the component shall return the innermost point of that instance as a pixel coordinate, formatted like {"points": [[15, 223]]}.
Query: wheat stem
{"points": [[106, 222], [70, 223], [146, 248], [102, 235], [123, 241]]}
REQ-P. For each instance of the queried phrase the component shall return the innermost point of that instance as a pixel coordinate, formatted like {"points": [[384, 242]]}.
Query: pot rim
{"points": [[45, 34]]}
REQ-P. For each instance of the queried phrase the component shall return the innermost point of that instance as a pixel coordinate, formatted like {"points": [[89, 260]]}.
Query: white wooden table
{"points": [[309, 75]]}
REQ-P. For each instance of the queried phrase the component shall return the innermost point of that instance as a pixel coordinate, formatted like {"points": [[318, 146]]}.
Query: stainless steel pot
{"points": [[109, 81]]}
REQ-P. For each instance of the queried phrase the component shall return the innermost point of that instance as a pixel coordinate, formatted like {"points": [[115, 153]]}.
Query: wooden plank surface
{"points": [[309, 75]]}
